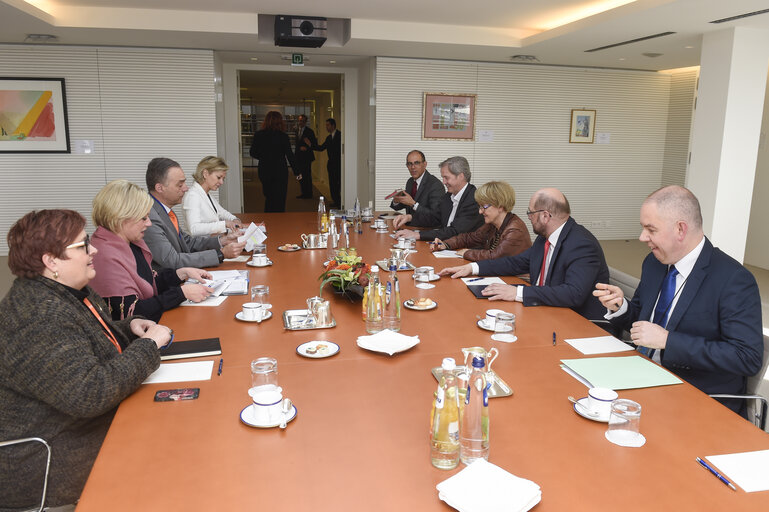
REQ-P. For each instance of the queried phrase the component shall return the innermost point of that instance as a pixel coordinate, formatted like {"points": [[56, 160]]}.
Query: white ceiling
{"points": [[488, 30]]}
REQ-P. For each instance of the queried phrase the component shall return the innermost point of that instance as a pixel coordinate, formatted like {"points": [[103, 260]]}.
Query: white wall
{"points": [[757, 247], [529, 108], [135, 104]]}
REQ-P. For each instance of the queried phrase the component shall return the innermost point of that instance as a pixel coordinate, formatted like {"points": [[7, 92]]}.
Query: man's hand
{"points": [[401, 220], [610, 296], [407, 233], [404, 198], [455, 272], [233, 250], [139, 326], [499, 291], [648, 334], [198, 274], [307, 141], [196, 292]]}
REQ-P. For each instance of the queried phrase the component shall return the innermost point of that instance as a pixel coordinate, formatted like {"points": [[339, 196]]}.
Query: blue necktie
{"points": [[662, 310]]}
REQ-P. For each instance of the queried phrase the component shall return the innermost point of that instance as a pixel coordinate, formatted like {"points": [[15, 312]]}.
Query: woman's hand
{"points": [[196, 292], [139, 326], [198, 274], [233, 225], [160, 334], [437, 245], [461, 252]]}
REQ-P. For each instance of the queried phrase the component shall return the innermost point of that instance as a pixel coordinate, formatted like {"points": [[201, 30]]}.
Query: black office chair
{"points": [[47, 464]]}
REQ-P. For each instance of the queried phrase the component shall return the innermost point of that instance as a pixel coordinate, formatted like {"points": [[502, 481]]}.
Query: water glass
{"points": [[264, 372], [505, 322], [260, 249], [625, 423], [260, 293], [422, 274]]}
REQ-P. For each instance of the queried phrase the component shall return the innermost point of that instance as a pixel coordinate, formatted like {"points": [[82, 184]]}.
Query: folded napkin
{"points": [[484, 487], [388, 342]]}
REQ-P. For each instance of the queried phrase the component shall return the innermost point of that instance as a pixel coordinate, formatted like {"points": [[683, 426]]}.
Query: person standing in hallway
{"points": [[304, 156], [333, 145], [272, 148]]}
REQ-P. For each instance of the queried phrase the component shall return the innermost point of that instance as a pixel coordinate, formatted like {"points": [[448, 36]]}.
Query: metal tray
{"points": [[499, 387], [404, 268], [304, 246], [301, 320]]}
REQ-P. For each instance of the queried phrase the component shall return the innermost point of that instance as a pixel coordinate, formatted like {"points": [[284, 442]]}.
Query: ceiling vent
{"points": [[300, 31], [741, 16], [651, 54], [645, 38], [524, 58]]}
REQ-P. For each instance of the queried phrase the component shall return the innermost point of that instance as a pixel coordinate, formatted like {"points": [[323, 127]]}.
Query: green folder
{"points": [[615, 373]]}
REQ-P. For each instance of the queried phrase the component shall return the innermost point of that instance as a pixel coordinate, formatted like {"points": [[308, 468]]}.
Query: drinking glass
{"points": [[625, 423], [264, 372], [260, 248], [260, 293]]}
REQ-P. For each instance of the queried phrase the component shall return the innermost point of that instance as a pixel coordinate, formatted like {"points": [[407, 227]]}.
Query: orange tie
{"points": [[544, 264], [174, 220], [107, 332]]}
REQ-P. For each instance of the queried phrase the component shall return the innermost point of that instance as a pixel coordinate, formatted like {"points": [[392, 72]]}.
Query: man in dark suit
{"points": [[332, 145], [304, 156], [423, 190], [457, 213], [171, 246], [565, 261], [696, 310]]}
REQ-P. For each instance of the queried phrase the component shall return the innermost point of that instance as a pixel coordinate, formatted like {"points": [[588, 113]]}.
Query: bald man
{"points": [[696, 310], [565, 262]]}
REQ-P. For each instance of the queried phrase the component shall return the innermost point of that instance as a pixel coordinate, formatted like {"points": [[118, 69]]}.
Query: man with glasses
{"points": [[423, 190], [565, 261]]}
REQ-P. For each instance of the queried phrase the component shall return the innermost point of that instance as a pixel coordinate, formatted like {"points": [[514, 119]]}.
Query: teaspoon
{"points": [[285, 408], [587, 411]]}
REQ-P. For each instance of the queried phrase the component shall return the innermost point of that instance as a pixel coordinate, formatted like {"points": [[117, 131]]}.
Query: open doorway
{"points": [[315, 95]]}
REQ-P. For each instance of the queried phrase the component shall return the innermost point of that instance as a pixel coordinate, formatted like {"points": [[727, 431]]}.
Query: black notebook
{"points": [[476, 290], [191, 348]]}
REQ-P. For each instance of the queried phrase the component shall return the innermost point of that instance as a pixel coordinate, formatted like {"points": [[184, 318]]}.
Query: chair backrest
{"points": [[47, 464], [759, 384], [626, 282]]}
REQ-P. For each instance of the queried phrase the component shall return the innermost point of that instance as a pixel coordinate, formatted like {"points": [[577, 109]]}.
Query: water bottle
{"points": [[474, 428], [444, 432], [357, 218], [345, 233], [322, 219], [391, 307], [332, 241], [374, 302]]}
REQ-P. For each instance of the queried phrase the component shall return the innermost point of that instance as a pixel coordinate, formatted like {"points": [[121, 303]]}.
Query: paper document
{"points": [[218, 275], [446, 253], [483, 281], [748, 469], [631, 372], [181, 372], [599, 345], [240, 259], [211, 301], [253, 235]]}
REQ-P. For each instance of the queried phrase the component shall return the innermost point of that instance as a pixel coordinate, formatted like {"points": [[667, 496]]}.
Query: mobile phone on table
{"points": [[175, 395]]}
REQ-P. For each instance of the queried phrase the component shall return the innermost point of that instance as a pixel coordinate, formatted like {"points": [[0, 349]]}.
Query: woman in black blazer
{"points": [[271, 147]]}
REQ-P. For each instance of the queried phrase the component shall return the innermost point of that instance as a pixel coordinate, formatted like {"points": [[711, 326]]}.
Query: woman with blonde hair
{"points": [[204, 214], [124, 275], [503, 233]]}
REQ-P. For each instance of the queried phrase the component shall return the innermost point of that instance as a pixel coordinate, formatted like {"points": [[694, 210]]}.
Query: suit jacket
{"points": [[714, 333], [429, 195], [334, 147], [272, 149], [466, 219], [175, 250], [576, 266], [512, 238], [305, 157], [202, 217]]}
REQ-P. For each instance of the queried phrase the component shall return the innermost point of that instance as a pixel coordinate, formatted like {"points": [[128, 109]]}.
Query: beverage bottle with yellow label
{"points": [[444, 436]]}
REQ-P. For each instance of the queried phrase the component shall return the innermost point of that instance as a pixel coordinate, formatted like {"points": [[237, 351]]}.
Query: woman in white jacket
{"points": [[204, 214]]}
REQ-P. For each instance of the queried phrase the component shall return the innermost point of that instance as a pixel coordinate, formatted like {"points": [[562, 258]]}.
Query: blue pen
{"points": [[474, 280], [221, 362], [716, 473], [553, 338]]}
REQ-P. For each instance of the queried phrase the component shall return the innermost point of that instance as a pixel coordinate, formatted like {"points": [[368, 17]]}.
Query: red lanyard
{"points": [[107, 332]]}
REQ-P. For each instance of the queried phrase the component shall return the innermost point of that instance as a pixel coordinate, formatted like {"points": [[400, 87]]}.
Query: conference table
{"points": [[360, 440]]}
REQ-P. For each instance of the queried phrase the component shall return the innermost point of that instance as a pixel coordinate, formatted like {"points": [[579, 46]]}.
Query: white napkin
{"points": [[388, 342], [484, 487]]}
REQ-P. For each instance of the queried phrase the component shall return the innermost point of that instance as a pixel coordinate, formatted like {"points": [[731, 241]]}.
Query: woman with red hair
{"points": [[272, 148]]}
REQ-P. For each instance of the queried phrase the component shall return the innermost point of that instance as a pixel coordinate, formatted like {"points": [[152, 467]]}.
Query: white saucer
{"points": [[424, 286], [483, 325], [251, 263], [604, 418], [333, 348], [504, 338], [409, 304], [247, 417], [433, 277], [239, 316]]}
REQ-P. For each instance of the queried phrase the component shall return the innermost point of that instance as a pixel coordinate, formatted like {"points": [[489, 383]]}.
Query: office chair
{"points": [[47, 464]]}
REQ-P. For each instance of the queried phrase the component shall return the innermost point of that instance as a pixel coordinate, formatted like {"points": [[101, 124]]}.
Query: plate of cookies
{"points": [[289, 247], [317, 349], [421, 304]]}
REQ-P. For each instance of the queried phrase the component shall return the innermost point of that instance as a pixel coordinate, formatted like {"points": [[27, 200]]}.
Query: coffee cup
{"points": [[599, 400], [431, 271], [380, 224], [491, 317], [267, 404], [403, 243], [260, 259], [252, 311]]}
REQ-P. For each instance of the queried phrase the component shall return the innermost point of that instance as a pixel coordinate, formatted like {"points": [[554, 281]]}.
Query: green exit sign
{"points": [[297, 59]]}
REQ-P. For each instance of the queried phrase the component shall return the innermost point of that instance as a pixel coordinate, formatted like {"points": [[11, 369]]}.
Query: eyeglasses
{"points": [[84, 243], [484, 206], [529, 213], [413, 164]]}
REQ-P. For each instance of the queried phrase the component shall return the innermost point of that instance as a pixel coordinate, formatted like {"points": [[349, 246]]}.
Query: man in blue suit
{"points": [[696, 310], [565, 261]]}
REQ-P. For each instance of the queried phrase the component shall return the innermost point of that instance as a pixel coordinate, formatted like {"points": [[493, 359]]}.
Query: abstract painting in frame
{"points": [[33, 115], [582, 126], [448, 116]]}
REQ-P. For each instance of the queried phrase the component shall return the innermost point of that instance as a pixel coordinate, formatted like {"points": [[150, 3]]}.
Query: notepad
{"points": [[631, 372], [211, 301], [599, 345], [446, 253], [191, 348], [181, 372], [747, 469]]}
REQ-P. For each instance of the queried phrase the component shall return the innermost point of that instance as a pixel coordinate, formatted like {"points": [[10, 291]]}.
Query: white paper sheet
{"points": [[181, 372], [253, 235], [599, 345], [218, 275], [240, 259], [211, 301], [482, 281], [446, 253], [747, 469]]}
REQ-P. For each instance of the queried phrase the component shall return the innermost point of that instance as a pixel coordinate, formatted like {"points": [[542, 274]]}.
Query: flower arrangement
{"points": [[345, 273]]}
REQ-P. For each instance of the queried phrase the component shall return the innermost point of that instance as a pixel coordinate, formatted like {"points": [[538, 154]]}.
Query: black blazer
{"points": [[429, 195], [334, 148], [576, 266], [466, 219], [308, 155], [272, 149]]}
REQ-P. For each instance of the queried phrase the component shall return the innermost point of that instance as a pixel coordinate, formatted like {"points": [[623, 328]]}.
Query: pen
{"points": [[553, 338], [716, 473], [221, 362], [474, 280]]}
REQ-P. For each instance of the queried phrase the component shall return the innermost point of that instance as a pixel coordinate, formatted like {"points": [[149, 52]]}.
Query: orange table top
{"points": [[360, 438]]}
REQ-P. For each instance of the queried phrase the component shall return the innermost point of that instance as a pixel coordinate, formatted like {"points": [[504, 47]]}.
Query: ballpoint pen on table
{"points": [[221, 362], [553, 338], [475, 279], [715, 473]]}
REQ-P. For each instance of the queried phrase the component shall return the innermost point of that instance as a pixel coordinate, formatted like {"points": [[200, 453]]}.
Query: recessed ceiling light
{"points": [[622, 58], [332, 62], [254, 58], [689, 47]]}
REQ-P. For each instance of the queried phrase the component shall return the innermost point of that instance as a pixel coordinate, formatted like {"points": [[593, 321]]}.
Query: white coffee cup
{"points": [[252, 311], [599, 400], [403, 243], [260, 259], [491, 316], [267, 404]]}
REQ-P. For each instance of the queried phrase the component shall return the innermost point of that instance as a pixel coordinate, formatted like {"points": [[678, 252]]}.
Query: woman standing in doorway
{"points": [[271, 147]]}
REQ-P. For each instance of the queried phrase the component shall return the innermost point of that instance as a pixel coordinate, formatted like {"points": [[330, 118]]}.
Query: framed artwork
{"points": [[582, 126], [33, 115], [448, 116]]}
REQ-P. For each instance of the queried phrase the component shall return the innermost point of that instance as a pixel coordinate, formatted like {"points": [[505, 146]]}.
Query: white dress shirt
{"points": [[419, 182], [455, 203]]}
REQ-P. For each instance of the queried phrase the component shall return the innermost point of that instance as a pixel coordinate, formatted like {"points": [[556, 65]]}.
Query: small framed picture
{"points": [[448, 116], [582, 126], [33, 115]]}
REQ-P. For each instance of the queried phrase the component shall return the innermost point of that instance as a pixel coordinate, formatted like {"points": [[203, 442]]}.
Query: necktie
{"points": [[414, 189], [174, 220], [544, 264], [665, 300]]}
